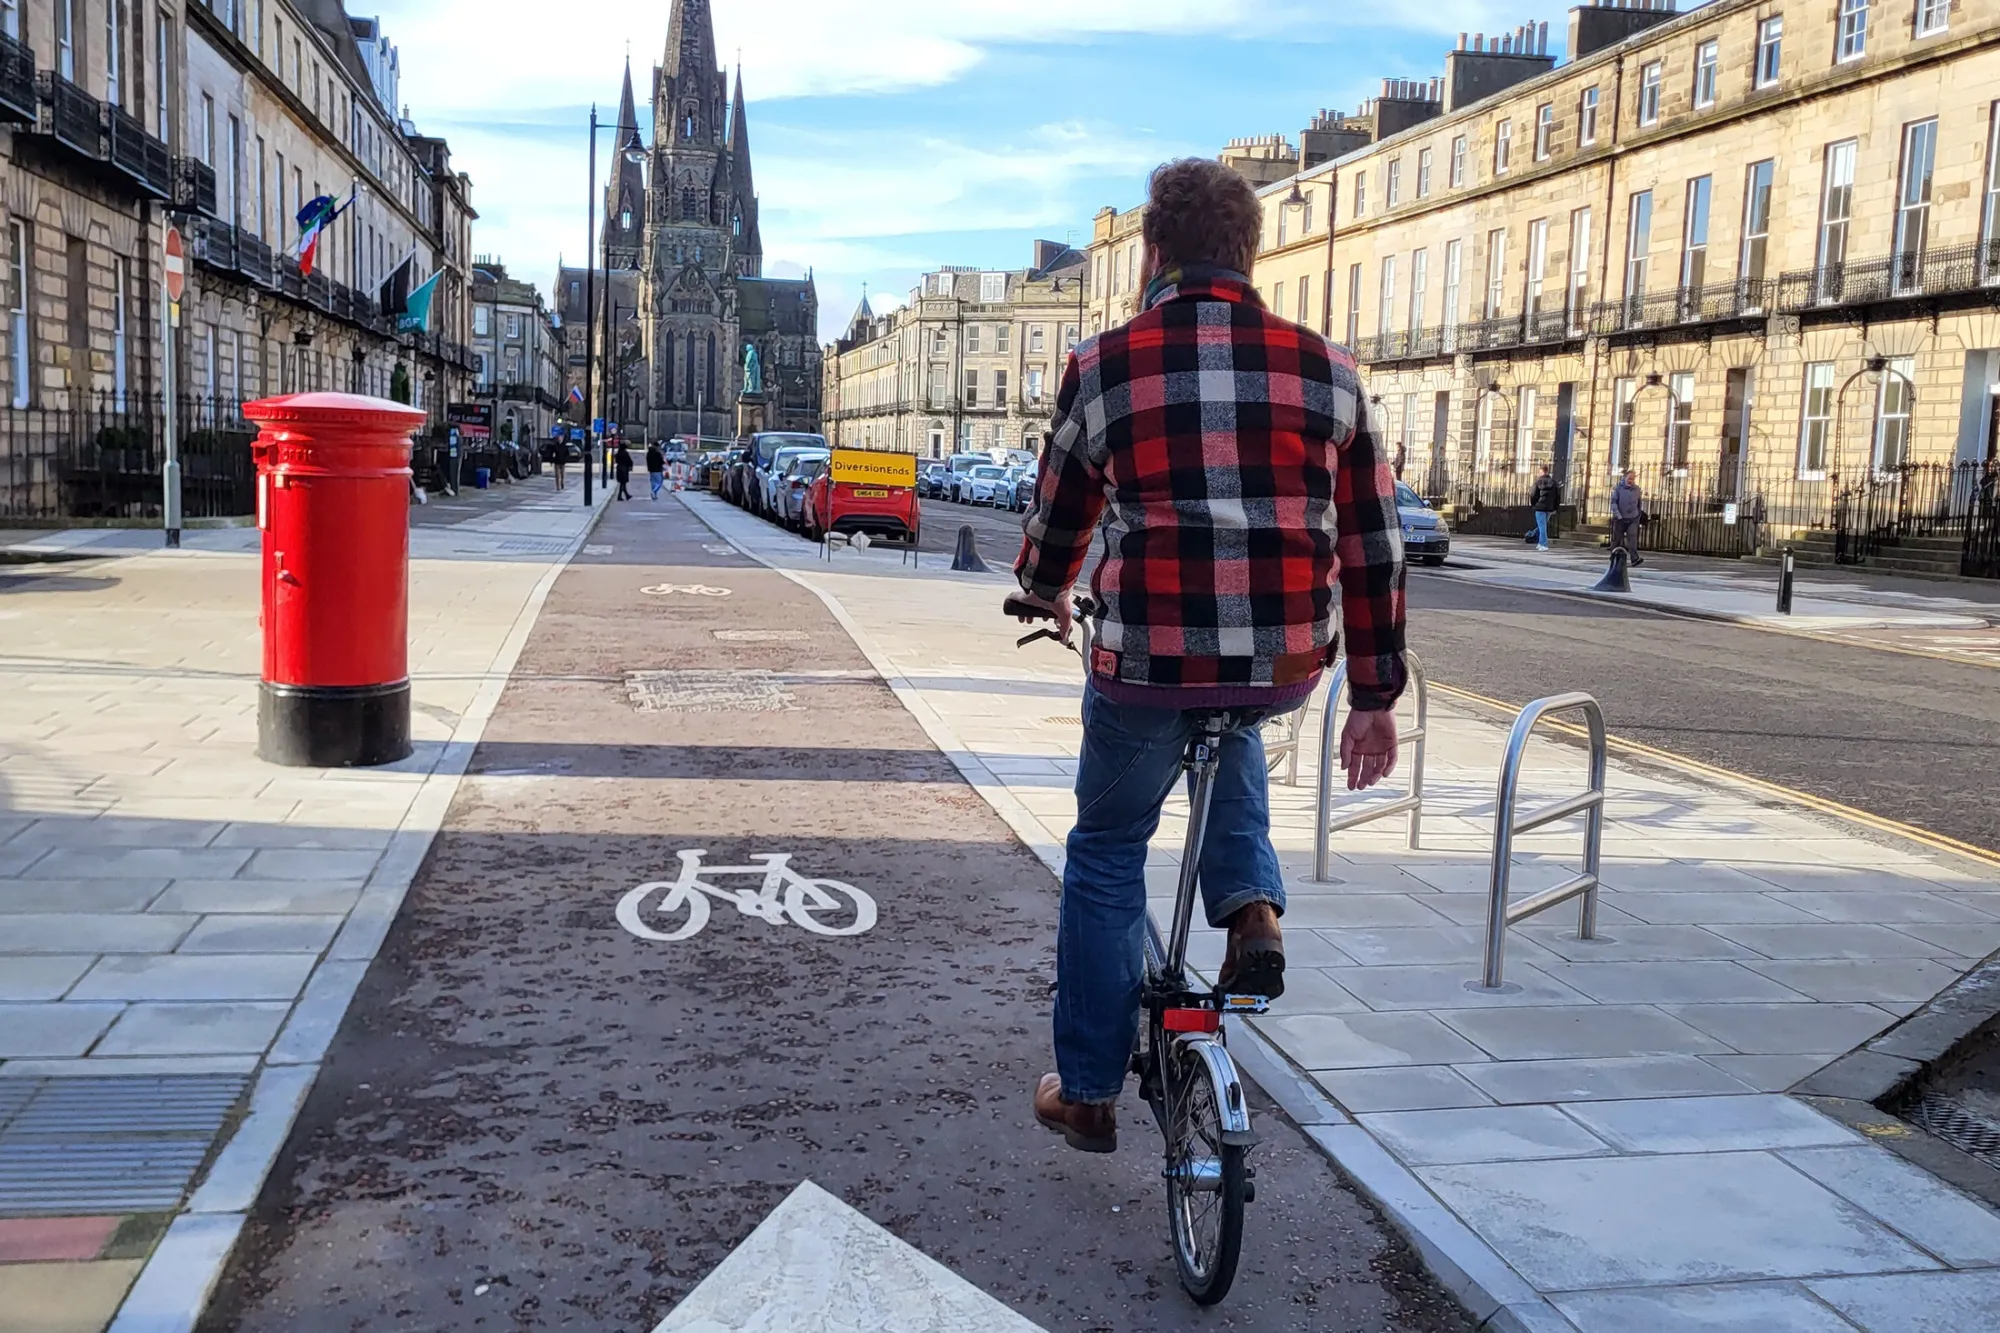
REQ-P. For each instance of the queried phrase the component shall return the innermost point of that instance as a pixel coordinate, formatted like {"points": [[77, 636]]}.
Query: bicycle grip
{"points": [[1021, 607]]}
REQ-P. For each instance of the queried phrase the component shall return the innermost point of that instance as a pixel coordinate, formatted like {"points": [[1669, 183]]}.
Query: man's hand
{"points": [[1368, 747], [1059, 608]]}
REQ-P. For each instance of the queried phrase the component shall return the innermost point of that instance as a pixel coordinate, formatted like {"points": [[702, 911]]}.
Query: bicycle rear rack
{"points": [[1325, 822], [1499, 914]]}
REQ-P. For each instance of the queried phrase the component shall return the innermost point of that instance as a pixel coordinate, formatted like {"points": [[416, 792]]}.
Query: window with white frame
{"points": [[1756, 230], [999, 388], [1852, 41], [1638, 247], [1385, 313], [66, 39], [1482, 432], [1496, 272], [1033, 387], [1933, 16], [1836, 209], [1649, 93], [114, 55], [1305, 300], [972, 388], [20, 337], [121, 286], [10, 18], [1538, 262], [1680, 421], [1423, 173], [1577, 298], [1393, 193], [1457, 161], [992, 288], [1454, 265], [1586, 117], [1545, 130], [1770, 50], [1694, 237], [1989, 218], [1353, 303], [1913, 203], [1306, 213], [1816, 420], [1706, 57], [1360, 193], [1278, 299], [513, 326], [1282, 211], [482, 320], [1622, 392], [1036, 336], [1892, 414], [1420, 276], [1503, 146], [971, 339]]}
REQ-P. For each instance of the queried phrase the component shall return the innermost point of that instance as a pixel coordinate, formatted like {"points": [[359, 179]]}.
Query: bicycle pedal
{"points": [[1244, 1004]]}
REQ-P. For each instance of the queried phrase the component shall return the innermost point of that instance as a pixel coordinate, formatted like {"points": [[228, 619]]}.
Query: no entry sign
{"points": [[176, 264]]}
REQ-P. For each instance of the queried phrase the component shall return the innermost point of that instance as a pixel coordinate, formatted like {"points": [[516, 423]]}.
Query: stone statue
{"points": [[753, 370]]}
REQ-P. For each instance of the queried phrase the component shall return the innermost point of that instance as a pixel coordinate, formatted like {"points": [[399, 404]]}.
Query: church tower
{"points": [[625, 190]]}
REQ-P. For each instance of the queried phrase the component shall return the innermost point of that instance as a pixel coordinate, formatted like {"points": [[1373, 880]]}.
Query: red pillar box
{"points": [[333, 502]]}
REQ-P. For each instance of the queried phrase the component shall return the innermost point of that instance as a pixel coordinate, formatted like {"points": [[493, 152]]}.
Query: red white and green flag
{"points": [[314, 218]]}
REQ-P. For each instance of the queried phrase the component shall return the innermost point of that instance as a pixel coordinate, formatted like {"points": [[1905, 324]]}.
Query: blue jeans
{"points": [[657, 479], [1542, 528], [1131, 758]]}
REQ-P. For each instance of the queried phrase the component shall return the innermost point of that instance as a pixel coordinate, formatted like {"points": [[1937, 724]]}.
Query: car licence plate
{"points": [[871, 495]]}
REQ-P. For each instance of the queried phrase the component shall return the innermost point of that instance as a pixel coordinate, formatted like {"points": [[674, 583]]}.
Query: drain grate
{"points": [[708, 692], [75, 1145], [1064, 721], [761, 635], [1969, 1132], [532, 546]]}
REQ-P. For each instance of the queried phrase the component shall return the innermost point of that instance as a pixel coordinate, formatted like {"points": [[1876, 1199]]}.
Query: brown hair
{"points": [[1201, 212]]}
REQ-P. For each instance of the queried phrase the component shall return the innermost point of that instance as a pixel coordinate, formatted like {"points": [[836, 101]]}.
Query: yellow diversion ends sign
{"points": [[869, 467]]}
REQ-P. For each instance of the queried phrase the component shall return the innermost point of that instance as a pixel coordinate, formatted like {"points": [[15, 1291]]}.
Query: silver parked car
{"points": [[988, 485], [788, 492], [1426, 536]]}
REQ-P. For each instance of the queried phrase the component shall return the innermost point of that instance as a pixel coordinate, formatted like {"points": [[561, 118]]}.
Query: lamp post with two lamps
{"points": [[633, 150]]}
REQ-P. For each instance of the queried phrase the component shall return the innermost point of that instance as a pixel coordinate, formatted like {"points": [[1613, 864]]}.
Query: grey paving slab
{"points": [[78, 895], [1516, 1081], [304, 837], [1860, 981], [196, 977], [1700, 980], [263, 933], [1916, 1302], [65, 1028], [1578, 1223], [1823, 878], [1634, 942], [287, 863], [1482, 1134], [93, 932], [1769, 1073], [1828, 941], [117, 831], [1365, 1041], [1311, 990], [1745, 1307], [1406, 1088], [1701, 909], [1576, 1032], [194, 1029], [1951, 1225], [1451, 986], [18, 860], [1678, 877], [111, 862], [1461, 945], [259, 895], [1360, 909], [41, 976], [1872, 907], [1310, 948], [1710, 1124], [1966, 941], [1785, 1029]]}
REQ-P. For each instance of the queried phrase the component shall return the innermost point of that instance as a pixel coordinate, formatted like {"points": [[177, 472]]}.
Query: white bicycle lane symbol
{"points": [[820, 906]]}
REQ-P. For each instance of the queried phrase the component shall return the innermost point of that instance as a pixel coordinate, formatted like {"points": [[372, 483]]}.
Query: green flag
{"points": [[416, 317]]}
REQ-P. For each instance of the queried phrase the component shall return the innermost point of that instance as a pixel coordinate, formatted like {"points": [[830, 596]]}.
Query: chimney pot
{"points": [[1461, 41]]}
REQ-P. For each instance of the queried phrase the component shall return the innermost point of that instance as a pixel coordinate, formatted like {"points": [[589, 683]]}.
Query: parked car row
{"points": [[976, 479], [789, 479]]}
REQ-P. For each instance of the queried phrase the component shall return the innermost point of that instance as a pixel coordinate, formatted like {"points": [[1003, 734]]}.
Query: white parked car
{"points": [[988, 485]]}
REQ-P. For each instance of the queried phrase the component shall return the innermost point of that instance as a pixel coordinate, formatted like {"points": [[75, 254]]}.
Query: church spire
{"points": [[628, 115], [739, 140], [624, 188], [690, 40]]}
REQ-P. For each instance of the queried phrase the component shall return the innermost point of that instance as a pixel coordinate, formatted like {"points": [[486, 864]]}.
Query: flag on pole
{"points": [[409, 306], [314, 217], [417, 319], [575, 394], [395, 293]]}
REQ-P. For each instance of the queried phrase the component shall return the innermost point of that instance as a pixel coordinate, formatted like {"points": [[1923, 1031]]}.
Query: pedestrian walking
{"points": [[1547, 498], [559, 459], [1627, 512], [1231, 607], [621, 463], [656, 468], [1401, 456]]}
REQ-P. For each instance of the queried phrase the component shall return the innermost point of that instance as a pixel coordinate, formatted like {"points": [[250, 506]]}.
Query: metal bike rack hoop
{"points": [[1499, 914], [1325, 822]]}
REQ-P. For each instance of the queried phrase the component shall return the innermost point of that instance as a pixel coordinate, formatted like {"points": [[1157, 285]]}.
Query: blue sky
{"points": [[891, 136]]}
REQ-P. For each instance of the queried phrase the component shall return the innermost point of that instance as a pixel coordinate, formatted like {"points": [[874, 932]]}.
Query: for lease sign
{"points": [[868, 467]]}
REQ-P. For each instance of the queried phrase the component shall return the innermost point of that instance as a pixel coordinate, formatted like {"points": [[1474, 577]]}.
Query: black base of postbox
{"points": [[333, 726]]}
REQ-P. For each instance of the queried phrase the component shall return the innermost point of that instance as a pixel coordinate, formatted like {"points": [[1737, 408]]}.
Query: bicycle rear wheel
{"points": [[1207, 1179]]}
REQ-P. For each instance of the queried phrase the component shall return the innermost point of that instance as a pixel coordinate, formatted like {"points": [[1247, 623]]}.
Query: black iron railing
{"points": [[1491, 335], [17, 83], [1748, 298], [1401, 345], [194, 185], [253, 259], [1914, 500], [290, 281], [319, 290], [71, 116], [99, 456], [214, 244], [1911, 276], [142, 158], [1980, 556]]}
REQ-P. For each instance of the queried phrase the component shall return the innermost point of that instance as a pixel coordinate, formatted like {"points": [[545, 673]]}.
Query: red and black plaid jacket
{"points": [[1232, 452]]}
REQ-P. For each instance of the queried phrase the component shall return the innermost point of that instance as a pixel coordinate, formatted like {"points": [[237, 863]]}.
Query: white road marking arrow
{"points": [[817, 1266]]}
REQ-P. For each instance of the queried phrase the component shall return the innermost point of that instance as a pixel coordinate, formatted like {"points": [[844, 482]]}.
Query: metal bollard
{"points": [[966, 559], [1616, 578], [1787, 569]]}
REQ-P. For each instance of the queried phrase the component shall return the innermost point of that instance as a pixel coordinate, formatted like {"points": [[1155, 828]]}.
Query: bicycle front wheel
{"points": [[1207, 1180]]}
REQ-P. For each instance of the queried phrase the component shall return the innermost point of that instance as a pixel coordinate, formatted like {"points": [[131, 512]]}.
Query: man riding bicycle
{"points": [[1231, 460]]}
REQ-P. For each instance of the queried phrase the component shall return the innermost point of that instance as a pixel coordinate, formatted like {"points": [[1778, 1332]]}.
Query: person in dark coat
{"points": [[1547, 498], [656, 468], [621, 463]]}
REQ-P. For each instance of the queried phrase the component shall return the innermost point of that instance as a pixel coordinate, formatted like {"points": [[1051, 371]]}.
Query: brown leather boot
{"points": [[1254, 963], [1085, 1126]]}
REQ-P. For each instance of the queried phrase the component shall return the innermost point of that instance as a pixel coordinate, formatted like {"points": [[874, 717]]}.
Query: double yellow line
{"points": [[1937, 841]]}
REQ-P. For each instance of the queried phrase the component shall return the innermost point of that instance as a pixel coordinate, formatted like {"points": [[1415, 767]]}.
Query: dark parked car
{"points": [[931, 479]]}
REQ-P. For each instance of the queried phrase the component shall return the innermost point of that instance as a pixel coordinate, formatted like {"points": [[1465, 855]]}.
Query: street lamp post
{"points": [[633, 150]]}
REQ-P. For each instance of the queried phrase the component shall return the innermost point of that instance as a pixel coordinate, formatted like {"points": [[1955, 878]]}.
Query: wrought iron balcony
{"points": [[1747, 298], [253, 260], [1491, 335], [142, 158], [319, 290], [71, 116], [194, 185], [17, 83], [1912, 276], [290, 281], [1401, 345], [214, 244]]}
